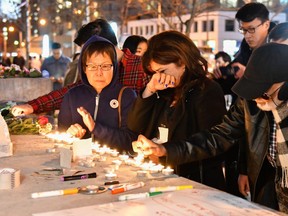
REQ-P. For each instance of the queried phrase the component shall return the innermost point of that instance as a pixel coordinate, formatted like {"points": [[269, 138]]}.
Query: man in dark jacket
{"points": [[254, 24]]}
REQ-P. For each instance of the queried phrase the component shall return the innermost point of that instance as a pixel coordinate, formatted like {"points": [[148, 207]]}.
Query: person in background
{"points": [[19, 59], [254, 24], [56, 65], [81, 115], [5, 60], [227, 79], [35, 63], [131, 73], [72, 75], [279, 34], [178, 101], [136, 44]]}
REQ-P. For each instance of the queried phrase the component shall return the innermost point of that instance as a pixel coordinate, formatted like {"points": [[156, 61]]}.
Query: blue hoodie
{"points": [[103, 107]]}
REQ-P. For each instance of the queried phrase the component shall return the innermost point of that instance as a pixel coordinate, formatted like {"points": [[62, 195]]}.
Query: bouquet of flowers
{"points": [[15, 71], [29, 125]]}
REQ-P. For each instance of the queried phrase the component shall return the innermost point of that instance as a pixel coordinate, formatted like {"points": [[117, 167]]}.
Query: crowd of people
{"points": [[164, 104]]}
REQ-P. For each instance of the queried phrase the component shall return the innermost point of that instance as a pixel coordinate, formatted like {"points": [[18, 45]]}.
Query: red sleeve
{"points": [[51, 101]]}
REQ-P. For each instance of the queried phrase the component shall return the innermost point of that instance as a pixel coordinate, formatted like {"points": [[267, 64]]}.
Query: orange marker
{"points": [[127, 187]]}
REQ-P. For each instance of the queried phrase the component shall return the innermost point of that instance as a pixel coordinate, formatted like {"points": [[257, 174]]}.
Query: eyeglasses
{"points": [[103, 67], [266, 96], [250, 30]]}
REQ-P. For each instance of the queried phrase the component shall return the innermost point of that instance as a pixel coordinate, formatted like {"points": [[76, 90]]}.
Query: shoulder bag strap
{"points": [[119, 106]]}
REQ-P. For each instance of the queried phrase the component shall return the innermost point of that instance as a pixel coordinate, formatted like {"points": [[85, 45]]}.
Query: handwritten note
{"points": [[187, 202]]}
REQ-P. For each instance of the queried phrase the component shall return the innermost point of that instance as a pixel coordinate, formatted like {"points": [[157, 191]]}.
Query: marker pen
{"points": [[55, 193], [111, 183], [77, 177], [127, 187], [170, 188], [137, 196]]}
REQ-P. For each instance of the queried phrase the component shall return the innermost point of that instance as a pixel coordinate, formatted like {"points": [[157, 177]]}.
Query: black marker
{"points": [[79, 177], [111, 183]]}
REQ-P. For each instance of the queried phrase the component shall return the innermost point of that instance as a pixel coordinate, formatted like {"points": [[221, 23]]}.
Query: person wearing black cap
{"points": [[279, 33], [262, 89], [266, 82], [56, 65]]}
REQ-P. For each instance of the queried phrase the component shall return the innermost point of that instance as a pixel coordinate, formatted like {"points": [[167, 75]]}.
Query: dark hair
{"points": [[251, 11], [279, 32], [100, 47], [133, 41], [174, 47], [98, 27], [224, 56], [56, 45]]}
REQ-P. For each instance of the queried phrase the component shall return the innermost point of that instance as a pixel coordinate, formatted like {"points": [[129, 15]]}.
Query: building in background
{"points": [[216, 29]]}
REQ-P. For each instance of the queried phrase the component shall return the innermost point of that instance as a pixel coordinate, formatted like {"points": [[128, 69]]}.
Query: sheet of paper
{"points": [[186, 202], [65, 157], [82, 148], [163, 134]]}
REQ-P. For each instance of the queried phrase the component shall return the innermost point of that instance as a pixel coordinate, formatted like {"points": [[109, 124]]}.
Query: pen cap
{"points": [[70, 191], [117, 190]]}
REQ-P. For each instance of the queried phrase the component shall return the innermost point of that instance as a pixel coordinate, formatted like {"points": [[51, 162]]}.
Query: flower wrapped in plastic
{"points": [[15, 71]]}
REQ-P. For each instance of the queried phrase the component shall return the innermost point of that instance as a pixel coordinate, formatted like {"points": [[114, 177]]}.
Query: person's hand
{"points": [[147, 147], [53, 79], [217, 74], [87, 118], [76, 130], [60, 80], [22, 109], [243, 184], [240, 72], [159, 81]]}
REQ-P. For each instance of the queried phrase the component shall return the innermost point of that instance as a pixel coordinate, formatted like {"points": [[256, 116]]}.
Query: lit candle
{"points": [[117, 164], [109, 169], [114, 153], [141, 173], [167, 171], [110, 176], [123, 157]]}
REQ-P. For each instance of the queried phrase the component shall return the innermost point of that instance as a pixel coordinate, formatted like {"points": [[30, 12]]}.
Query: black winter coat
{"points": [[244, 120], [201, 107]]}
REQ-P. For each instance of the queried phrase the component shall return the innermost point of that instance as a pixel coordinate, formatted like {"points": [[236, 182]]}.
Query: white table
{"points": [[30, 157]]}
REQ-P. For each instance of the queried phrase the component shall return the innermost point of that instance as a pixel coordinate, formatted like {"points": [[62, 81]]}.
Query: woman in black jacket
{"points": [[178, 101]]}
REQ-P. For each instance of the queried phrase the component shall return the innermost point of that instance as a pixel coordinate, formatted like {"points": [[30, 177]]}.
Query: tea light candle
{"points": [[114, 153], [154, 169], [129, 161], [141, 173], [124, 157], [102, 158], [167, 171], [117, 164], [110, 176], [109, 169]]}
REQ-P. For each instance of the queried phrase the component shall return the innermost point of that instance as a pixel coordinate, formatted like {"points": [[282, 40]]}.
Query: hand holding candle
{"points": [[147, 147]]}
